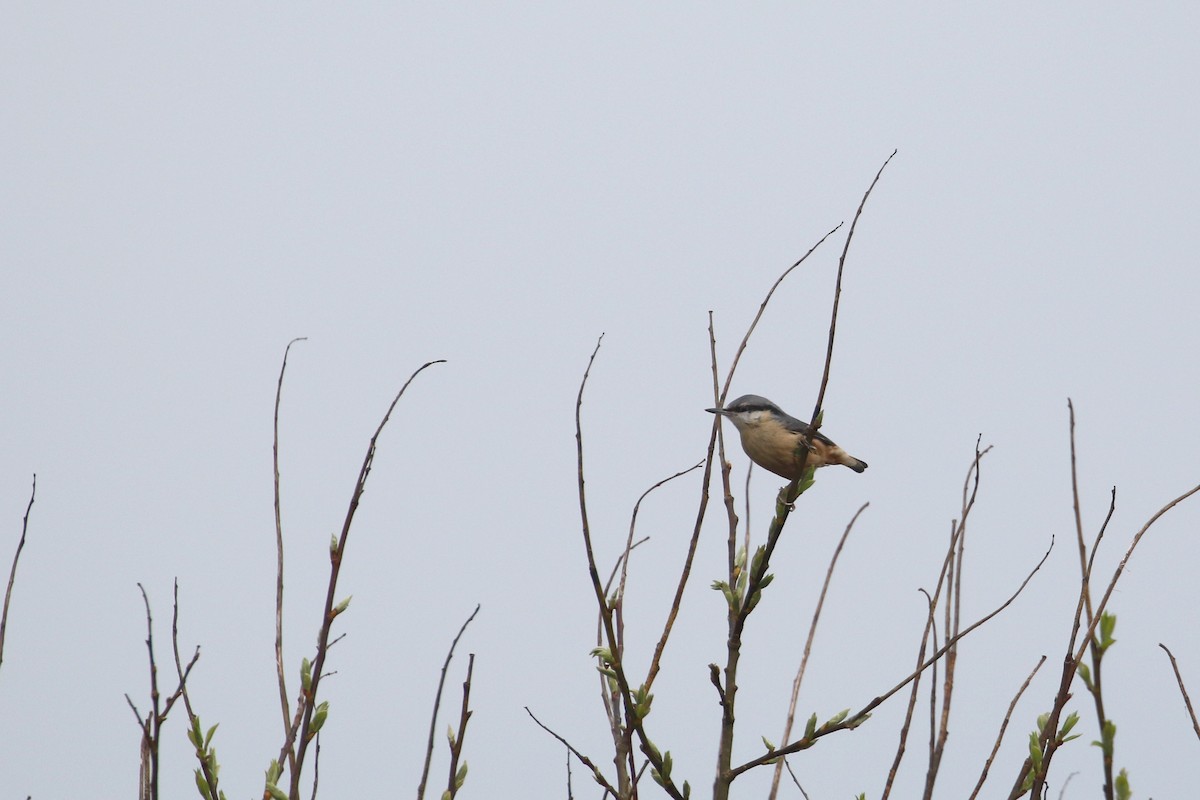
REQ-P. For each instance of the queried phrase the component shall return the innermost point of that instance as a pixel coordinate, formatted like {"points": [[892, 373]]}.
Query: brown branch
{"points": [[1084, 566], [12, 574], [206, 768], [300, 731], [1003, 727], [151, 726], [456, 742], [795, 780], [597, 775], [694, 541], [1074, 656], [737, 356], [1187, 701], [758, 567], [283, 693], [437, 702], [812, 632], [858, 718], [606, 614], [621, 733], [837, 292]]}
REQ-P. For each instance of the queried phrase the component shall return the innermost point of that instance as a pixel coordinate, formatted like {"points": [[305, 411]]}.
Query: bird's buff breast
{"points": [[779, 450]]}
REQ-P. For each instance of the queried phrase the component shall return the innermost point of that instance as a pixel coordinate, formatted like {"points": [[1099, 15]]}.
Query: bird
{"points": [[773, 439]]}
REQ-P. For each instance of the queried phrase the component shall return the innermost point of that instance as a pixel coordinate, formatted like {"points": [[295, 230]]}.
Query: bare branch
{"points": [[300, 727], [1187, 701], [283, 693], [587, 762], [456, 744], [812, 632], [12, 574], [837, 292], [606, 613], [854, 720], [437, 702], [1003, 727]]}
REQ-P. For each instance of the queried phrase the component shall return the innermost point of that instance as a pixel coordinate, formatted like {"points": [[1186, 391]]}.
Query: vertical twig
{"points": [[812, 632], [204, 755], [1075, 649], [606, 613], [437, 702], [300, 731], [737, 616], [283, 693], [12, 574], [456, 777], [837, 292]]}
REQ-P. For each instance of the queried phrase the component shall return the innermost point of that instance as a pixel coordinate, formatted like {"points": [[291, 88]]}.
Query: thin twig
{"points": [[812, 632], [283, 693], [1187, 701], [299, 730], [694, 541], [759, 566], [837, 293], [1073, 657], [987, 765], [606, 614], [795, 780], [854, 720], [182, 673], [597, 775], [1083, 559], [12, 574], [437, 702], [456, 742], [621, 734]]}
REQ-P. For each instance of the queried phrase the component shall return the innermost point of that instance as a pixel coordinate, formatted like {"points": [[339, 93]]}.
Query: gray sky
{"points": [[188, 188]]}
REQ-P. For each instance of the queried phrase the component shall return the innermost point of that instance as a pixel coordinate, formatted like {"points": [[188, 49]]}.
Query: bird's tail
{"points": [[855, 464]]}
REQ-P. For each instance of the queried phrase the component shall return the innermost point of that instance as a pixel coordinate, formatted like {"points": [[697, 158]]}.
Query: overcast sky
{"points": [[188, 187]]}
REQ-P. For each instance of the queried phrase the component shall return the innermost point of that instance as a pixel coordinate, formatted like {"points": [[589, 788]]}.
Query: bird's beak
{"points": [[719, 411]]}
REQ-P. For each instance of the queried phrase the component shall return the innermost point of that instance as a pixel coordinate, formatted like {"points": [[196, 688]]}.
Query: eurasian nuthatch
{"points": [[773, 439]]}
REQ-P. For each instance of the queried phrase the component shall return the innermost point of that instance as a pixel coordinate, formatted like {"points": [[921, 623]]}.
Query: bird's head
{"points": [[748, 411]]}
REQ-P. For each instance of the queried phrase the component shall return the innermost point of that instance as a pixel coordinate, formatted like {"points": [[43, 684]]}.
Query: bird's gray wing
{"points": [[803, 428]]}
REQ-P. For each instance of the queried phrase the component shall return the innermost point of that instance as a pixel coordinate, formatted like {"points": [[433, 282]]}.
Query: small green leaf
{"points": [[810, 477], [1085, 675], [1035, 751], [305, 674], [768, 744], [856, 721], [342, 606], [687, 790], [450, 735], [447, 796], [209, 735], [319, 717], [460, 777], [276, 793], [1072, 718], [202, 785], [811, 727], [1122, 786], [1108, 624], [836, 718], [274, 771], [333, 545]]}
